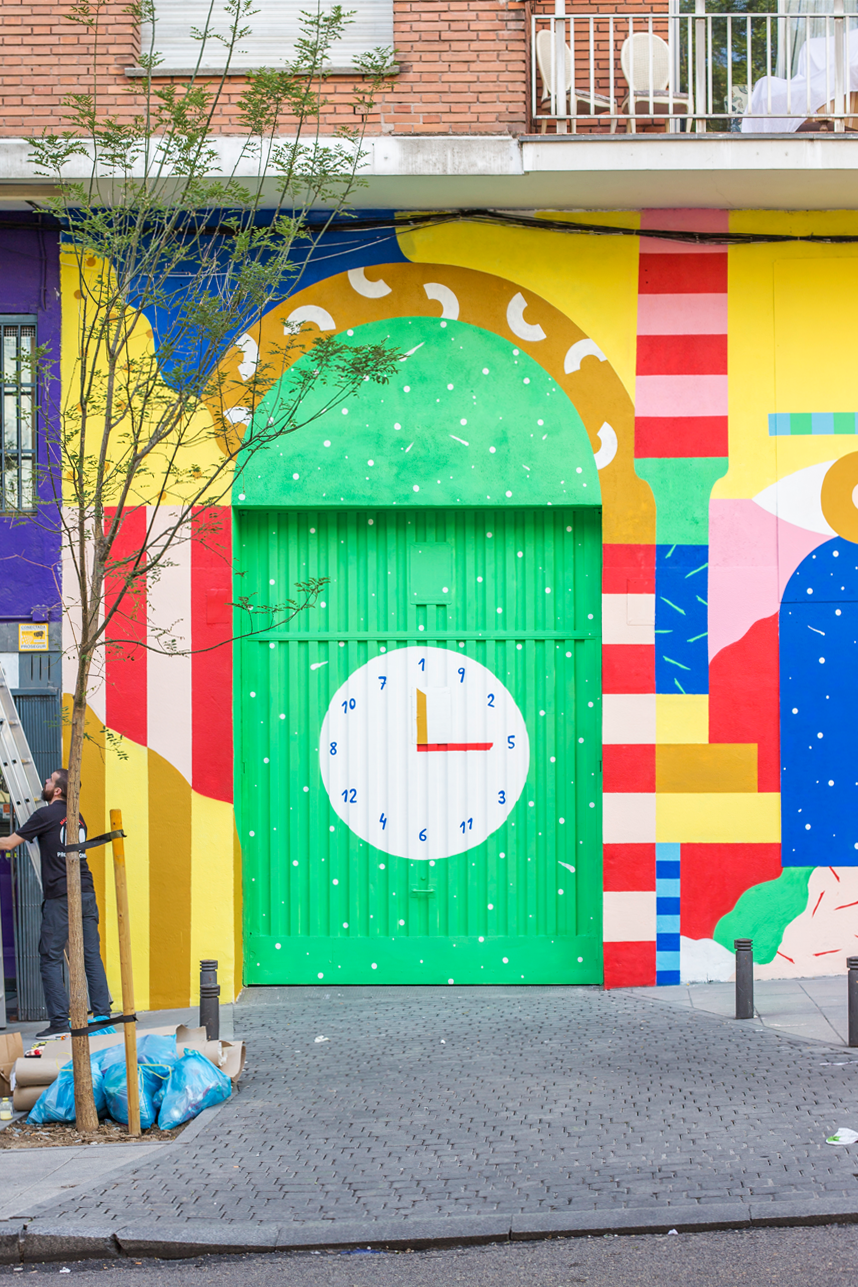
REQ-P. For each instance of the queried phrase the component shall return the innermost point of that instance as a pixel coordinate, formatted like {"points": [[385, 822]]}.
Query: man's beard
{"points": [[48, 794]]}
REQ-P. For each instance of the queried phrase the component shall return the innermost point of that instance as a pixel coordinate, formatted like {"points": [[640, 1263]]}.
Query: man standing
{"points": [[48, 826]]}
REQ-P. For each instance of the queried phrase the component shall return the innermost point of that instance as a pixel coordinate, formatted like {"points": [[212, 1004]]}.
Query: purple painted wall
{"points": [[30, 552], [29, 283]]}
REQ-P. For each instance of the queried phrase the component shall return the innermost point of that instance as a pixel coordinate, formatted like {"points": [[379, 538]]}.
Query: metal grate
{"points": [[17, 413]]}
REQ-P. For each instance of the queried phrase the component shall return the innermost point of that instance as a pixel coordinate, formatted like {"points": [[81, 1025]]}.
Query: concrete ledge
{"points": [[684, 1218], [10, 1241], [66, 1240], [800, 1211], [172, 1240], [443, 1231]]}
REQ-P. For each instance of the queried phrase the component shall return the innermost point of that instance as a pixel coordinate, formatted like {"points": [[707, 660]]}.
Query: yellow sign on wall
{"points": [[33, 638]]}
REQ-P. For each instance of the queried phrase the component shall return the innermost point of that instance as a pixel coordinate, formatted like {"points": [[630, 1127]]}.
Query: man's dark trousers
{"points": [[52, 946]]}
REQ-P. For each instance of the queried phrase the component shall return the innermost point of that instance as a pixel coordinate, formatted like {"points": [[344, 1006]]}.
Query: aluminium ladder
{"points": [[25, 791]]}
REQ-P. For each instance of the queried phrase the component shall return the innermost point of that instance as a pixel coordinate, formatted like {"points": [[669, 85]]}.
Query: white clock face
{"points": [[423, 753]]}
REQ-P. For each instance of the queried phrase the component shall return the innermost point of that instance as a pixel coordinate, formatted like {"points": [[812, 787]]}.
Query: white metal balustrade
{"points": [[703, 71]]}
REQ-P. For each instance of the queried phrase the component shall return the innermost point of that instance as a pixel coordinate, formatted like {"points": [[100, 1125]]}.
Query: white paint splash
{"points": [[445, 297], [516, 323], [575, 355], [317, 665], [608, 438], [461, 440], [308, 313], [370, 290], [250, 353]]}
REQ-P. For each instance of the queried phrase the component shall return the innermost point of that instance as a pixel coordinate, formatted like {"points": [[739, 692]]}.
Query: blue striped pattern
{"points": [[666, 914], [792, 423]]}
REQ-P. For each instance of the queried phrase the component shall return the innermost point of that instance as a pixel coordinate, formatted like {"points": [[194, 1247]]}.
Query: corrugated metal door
{"points": [[420, 756]]}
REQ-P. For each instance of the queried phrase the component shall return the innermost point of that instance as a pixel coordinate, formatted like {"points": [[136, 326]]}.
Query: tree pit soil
{"points": [[22, 1134]]}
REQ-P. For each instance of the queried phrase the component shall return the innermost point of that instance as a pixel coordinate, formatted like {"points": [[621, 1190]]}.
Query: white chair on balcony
{"points": [[581, 104], [645, 60]]}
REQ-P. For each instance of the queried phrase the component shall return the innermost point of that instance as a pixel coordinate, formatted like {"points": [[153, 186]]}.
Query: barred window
{"points": [[18, 412]]}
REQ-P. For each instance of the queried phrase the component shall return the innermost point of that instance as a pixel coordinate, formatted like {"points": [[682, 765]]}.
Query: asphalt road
{"points": [[808, 1257]]}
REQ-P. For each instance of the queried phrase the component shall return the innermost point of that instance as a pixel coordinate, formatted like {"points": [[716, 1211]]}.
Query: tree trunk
{"points": [[84, 1100]]}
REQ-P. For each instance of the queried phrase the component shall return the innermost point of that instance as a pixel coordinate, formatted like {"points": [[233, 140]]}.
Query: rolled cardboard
{"points": [[36, 1072], [24, 1097]]}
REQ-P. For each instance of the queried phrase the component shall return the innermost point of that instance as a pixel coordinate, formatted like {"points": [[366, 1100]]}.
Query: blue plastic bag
{"points": [[56, 1102], [194, 1084], [116, 1094], [157, 1057]]}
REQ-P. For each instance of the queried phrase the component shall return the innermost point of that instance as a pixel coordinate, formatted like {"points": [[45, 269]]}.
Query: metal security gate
{"points": [[419, 761]]}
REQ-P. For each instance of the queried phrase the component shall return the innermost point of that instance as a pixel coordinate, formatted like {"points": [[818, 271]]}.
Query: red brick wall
{"points": [[462, 68]]}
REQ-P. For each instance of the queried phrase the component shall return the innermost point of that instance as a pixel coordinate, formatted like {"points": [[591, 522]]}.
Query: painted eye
{"points": [[797, 499]]}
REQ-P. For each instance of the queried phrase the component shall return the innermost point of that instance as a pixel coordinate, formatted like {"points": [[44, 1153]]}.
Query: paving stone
{"points": [[67, 1240], [543, 1104]]}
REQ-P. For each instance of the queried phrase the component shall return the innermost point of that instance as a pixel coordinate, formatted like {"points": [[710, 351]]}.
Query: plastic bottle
{"points": [[5, 1109]]}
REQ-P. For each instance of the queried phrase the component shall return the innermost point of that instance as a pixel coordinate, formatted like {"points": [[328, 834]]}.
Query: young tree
{"points": [[175, 256]]}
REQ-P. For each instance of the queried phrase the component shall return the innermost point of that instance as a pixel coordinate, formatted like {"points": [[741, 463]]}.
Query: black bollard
{"points": [[209, 1003], [744, 977], [852, 998]]}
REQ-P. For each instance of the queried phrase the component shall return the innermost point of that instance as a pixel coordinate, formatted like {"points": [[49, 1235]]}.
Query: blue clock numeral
{"points": [[423, 834], [383, 679], [469, 825], [510, 741], [349, 795], [349, 705], [333, 748], [501, 797], [422, 663], [461, 674], [383, 822], [491, 699]]}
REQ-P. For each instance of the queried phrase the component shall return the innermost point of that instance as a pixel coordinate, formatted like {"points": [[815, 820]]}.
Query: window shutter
{"points": [[271, 41]]}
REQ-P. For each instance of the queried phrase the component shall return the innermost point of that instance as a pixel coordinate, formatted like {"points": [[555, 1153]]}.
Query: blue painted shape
{"points": [[666, 969], [681, 618], [668, 888], [340, 248], [779, 423], [665, 905], [822, 422], [819, 710]]}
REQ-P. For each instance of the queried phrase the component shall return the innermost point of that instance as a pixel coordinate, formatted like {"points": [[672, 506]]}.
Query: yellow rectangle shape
{"points": [[714, 766], [32, 638], [682, 717], [718, 818]]}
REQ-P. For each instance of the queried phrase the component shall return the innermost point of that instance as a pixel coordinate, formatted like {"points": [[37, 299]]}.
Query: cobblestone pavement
{"points": [[431, 1101]]}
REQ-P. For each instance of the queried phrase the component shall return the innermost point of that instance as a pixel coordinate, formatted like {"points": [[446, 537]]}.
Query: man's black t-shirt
{"points": [[48, 826]]}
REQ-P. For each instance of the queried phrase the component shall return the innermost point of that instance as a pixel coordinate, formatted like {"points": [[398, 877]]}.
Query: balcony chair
{"points": [[645, 60], [581, 103]]}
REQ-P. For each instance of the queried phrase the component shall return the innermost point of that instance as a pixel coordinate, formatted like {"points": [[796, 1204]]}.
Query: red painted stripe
{"points": [[455, 746], [211, 667], [126, 662], [683, 274], [628, 668], [687, 219], [629, 965], [629, 867], [628, 569], [675, 436], [628, 768], [682, 355]]}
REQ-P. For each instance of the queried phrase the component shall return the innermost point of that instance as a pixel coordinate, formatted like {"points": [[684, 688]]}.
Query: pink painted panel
{"points": [[682, 314], [681, 395]]}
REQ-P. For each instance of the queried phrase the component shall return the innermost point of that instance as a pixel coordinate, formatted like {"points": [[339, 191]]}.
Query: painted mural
{"points": [[713, 387]]}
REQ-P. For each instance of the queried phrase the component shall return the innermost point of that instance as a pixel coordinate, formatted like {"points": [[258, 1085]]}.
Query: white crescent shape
{"points": [[583, 348], [250, 352], [238, 415], [608, 438], [309, 313], [445, 297], [516, 323], [372, 290]]}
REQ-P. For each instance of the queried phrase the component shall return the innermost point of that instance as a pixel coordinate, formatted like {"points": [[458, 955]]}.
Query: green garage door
{"points": [[419, 785]]}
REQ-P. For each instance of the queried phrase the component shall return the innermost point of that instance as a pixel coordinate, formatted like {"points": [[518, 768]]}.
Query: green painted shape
{"points": [[682, 488], [845, 422], [320, 903], [801, 422], [764, 911], [430, 567], [471, 420]]}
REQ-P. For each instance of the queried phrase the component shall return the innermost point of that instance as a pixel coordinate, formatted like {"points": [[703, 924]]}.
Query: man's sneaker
{"points": [[52, 1031]]}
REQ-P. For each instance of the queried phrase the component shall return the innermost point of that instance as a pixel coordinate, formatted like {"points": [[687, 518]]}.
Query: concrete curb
{"points": [[44, 1241]]}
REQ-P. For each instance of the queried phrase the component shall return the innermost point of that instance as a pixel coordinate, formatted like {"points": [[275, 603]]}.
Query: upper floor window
{"points": [[274, 28], [17, 412]]}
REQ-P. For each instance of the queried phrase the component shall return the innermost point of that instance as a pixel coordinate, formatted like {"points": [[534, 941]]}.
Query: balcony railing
{"points": [[701, 72]]}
